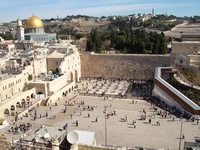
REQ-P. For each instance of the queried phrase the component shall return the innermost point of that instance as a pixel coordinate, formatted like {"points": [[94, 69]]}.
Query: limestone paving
{"points": [[119, 131]]}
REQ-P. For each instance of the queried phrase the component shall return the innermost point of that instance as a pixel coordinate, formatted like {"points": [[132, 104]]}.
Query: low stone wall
{"points": [[89, 147], [125, 66], [183, 47]]}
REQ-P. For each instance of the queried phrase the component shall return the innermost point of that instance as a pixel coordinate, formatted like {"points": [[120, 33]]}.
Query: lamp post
{"points": [[105, 126], [12, 143], [181, 134]]}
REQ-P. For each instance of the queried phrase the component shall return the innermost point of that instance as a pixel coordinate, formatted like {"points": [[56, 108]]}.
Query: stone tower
{"points": [[20, 30], [153, 13]]}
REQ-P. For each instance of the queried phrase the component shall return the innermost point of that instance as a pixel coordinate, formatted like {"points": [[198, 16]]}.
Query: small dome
{"points": [[33, 22]]}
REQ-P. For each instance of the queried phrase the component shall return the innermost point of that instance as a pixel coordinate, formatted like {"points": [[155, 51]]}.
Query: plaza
{"points": [[119, 131]]}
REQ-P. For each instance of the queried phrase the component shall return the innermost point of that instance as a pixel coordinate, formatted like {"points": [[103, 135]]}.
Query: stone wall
{"points": [[187, 47], [89, 147], [125, 66]]}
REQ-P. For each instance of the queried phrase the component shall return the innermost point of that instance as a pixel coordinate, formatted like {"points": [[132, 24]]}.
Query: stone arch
{"points": [[69, 90], [57, 70], [28, 98], [182, 60], [23, 102], [18, 104], [12, 107], [40, 93], [32, 95], [6, 111]]}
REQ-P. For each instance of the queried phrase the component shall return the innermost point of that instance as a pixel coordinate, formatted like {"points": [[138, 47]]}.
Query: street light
{"points": [[181, 133], [105, 126]]}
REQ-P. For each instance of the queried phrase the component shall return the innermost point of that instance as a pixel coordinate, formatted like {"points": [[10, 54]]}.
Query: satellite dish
{"points": [[72, 137]]}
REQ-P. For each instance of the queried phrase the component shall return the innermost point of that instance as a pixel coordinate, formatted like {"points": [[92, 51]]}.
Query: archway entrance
{"points": [[6, 111], [12, 108], [18, 104], [23, 102], [32, 95]]}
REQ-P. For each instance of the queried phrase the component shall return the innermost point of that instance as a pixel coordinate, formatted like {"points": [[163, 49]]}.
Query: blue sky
{"points": [[10, 10]]}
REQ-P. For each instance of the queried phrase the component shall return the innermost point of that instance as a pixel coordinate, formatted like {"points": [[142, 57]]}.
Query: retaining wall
{"points": [[125, 66]]}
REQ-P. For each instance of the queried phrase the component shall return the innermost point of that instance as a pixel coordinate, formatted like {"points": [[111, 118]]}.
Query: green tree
{"points": [[162, 47]]}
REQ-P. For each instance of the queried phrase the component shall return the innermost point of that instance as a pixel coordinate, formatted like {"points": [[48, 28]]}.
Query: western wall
{"points": [[125, 66]]}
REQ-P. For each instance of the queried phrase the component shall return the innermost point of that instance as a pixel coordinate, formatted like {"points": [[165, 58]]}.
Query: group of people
{"points": [[21, 128]]}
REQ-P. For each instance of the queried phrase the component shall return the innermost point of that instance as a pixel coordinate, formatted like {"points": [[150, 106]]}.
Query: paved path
{"points": [[119, 133], [180, 80]]}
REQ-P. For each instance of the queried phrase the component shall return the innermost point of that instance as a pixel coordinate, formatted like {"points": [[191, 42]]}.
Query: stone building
{"points": [[36, 73], [186, 54], [26, 83]]}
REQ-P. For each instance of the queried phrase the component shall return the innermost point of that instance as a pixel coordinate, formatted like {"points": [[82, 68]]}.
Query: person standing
{"points": [[149, 120], [71, 116]]}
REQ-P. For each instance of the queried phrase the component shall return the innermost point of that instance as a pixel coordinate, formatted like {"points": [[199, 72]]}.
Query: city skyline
{"points": [[47, 9]]}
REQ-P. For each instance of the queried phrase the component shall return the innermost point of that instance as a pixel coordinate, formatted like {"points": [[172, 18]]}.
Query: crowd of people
{"points": [[115, 87], [22, 127]]}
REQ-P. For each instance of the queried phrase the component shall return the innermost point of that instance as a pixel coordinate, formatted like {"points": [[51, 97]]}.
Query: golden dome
{"points": [[33, 22]]}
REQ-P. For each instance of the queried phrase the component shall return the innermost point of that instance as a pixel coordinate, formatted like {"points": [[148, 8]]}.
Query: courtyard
{"points": [[125, 126]]}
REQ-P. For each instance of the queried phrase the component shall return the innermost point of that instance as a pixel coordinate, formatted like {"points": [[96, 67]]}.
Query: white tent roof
{"points": [[85, 137]]}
